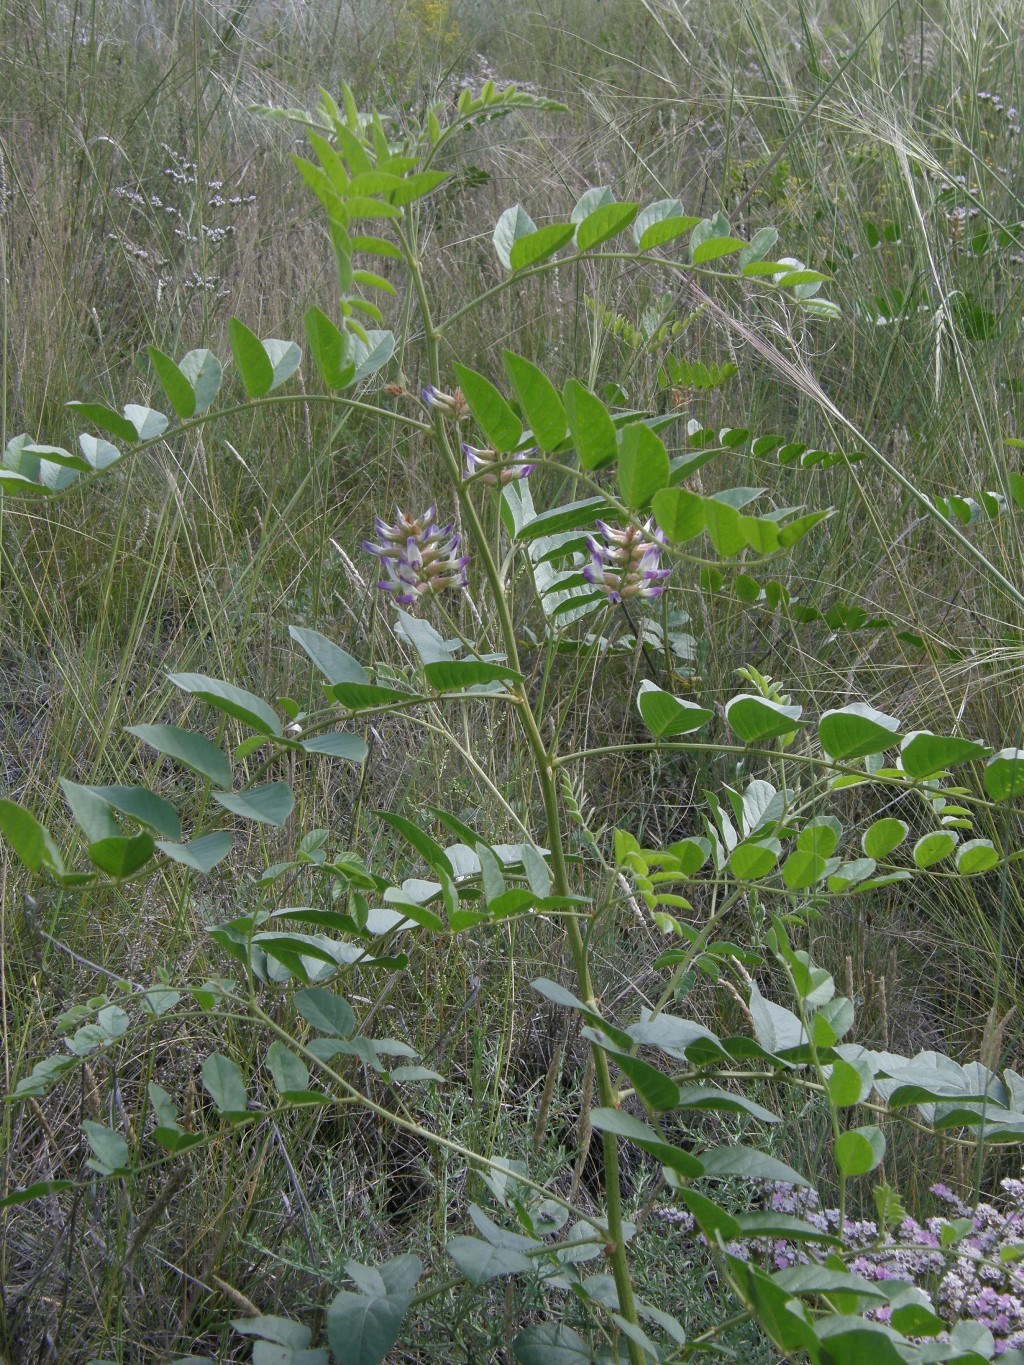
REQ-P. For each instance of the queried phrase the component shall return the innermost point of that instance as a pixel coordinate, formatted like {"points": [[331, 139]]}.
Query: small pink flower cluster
{"points": [[967, 1279]]}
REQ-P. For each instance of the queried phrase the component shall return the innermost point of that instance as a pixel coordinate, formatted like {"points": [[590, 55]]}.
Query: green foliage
{"points": [[768, 838]]}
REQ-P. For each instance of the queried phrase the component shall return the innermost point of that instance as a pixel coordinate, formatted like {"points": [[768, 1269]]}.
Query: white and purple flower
{"points": [[492, 468], [451, 405], [417, 556], [625, 562]]}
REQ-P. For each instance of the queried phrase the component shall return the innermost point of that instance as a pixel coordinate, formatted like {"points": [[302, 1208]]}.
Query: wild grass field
{"points": [[145, 201]]}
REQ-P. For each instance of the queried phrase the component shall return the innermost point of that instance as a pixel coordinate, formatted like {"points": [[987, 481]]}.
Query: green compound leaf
{"points": [[232, 701], [665, 715], [270, 804], [253, 364], [491, 412], [540, 401]]}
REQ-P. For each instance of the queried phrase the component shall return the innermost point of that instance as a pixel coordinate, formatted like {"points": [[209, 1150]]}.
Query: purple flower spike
{"points": [[492, 468], [417, 556], [625, 562]]}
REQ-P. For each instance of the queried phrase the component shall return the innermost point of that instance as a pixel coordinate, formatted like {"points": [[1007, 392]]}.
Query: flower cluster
{"points": [[626, 562], [494, 468], [418, 556], [451, 405], [956, 1256]]}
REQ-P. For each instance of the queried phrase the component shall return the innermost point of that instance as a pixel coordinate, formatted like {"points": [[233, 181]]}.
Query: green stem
{"points": [[546, 774]]}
